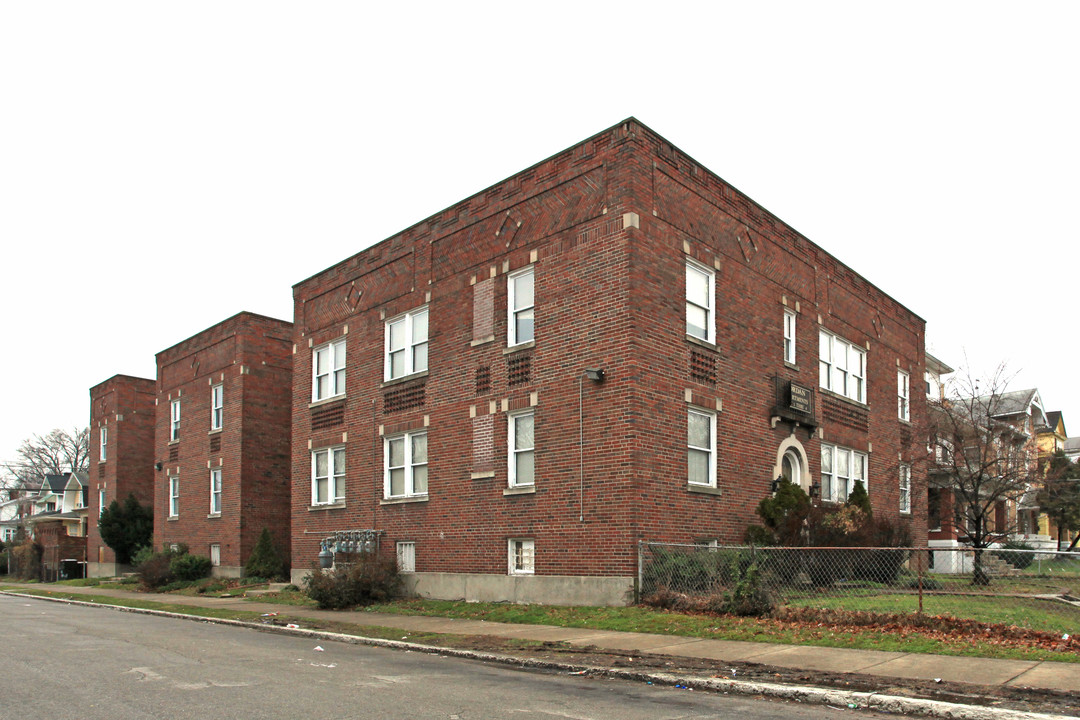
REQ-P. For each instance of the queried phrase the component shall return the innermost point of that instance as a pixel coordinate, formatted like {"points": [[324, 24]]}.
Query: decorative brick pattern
{"points": [[703, 367], [483, 443], [483, 380], [405, 397], [328, 416], [483, 310], [518, 370]]}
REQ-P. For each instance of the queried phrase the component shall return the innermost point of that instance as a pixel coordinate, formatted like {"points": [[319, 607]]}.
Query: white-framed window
{"points": [[903, 395], [521, 556], [406, 344], [174, 496], [174, 423], [104, 455], [700, 297], [328, 476], [215, 555], [101, 502], [215, 491], [405, 465], [841, 366], [406, 557], [217, 406], [789, 336], [905, 489], [328, 370], [519, 307], [521, 441], [701, 448], [841, 468]]}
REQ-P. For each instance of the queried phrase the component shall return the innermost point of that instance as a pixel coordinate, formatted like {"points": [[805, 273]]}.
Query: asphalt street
{"points": [[75, 661]]}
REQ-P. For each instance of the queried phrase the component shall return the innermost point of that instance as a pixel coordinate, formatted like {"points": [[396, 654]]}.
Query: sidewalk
{"points": [[978, 671]]}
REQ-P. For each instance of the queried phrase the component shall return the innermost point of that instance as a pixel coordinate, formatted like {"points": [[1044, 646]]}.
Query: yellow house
{"points": [[1050, 438]]}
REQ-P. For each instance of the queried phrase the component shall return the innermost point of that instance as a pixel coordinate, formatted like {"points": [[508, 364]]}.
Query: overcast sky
{"points": [[166, 165]]}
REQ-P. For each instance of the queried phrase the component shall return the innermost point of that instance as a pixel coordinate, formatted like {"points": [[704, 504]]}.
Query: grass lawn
{"points": [[631, 619], [637, 619]]}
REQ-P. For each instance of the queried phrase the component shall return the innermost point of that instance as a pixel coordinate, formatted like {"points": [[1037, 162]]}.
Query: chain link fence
{"points": [[1027, 588]]}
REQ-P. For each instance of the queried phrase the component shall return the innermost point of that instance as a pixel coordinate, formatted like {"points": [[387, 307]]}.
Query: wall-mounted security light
{"points": [[158, 466], [595, 374]]}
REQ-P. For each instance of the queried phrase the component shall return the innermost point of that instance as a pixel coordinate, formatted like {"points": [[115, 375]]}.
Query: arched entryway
{"points": [[792, 463]]}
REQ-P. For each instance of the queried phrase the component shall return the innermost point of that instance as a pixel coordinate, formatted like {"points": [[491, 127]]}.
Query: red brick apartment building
{"points": [[222, 440], [612, 345], [121, 457]]}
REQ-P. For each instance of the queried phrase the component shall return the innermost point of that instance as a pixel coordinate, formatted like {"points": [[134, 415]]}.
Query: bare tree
{"points": [[52, 454], [983, 445]]}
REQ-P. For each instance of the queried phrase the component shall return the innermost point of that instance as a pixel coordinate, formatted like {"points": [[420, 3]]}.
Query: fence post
{"points": [[640, 571], [923, 562]]}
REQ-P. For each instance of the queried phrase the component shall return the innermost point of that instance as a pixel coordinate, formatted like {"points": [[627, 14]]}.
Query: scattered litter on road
{"points": [[325, 665], [318, 648], [1065, 636], [579, 672], [852, 706], [268, 615], [733, 671], [294, 626], [937, 680]]}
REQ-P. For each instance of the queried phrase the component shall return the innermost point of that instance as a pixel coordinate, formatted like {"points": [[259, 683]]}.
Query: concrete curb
{"points": [[820, 696]]}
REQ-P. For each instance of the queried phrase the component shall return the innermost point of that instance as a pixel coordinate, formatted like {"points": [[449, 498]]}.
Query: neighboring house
{"points": [[1072, 448], [934, 376], [50, 497], [12, 510], [222, 440], [611, 346], [1052, 438], [61, 529], [122, 416], [1015, 416]]}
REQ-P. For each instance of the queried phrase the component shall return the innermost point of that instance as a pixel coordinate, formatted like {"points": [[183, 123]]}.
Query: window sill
{"points": [[215, 431], [520, 490], [102, 462], [702, 343], [482, 341], [519, 347], [521, 573], [703, 489], [791, 366], [326, 506], [403, 500], [172, 518], [905, 422], [175, 441], [326, 400], [213, 515], [482, 475], [405, 378]]}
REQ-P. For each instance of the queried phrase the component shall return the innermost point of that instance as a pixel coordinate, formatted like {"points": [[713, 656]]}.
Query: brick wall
{"points": [[607, 227], [249, 356], [124, 405]]}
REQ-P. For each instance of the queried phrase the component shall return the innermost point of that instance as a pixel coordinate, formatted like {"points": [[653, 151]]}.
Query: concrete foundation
{"points": [[95, 569], [541, 589]]}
